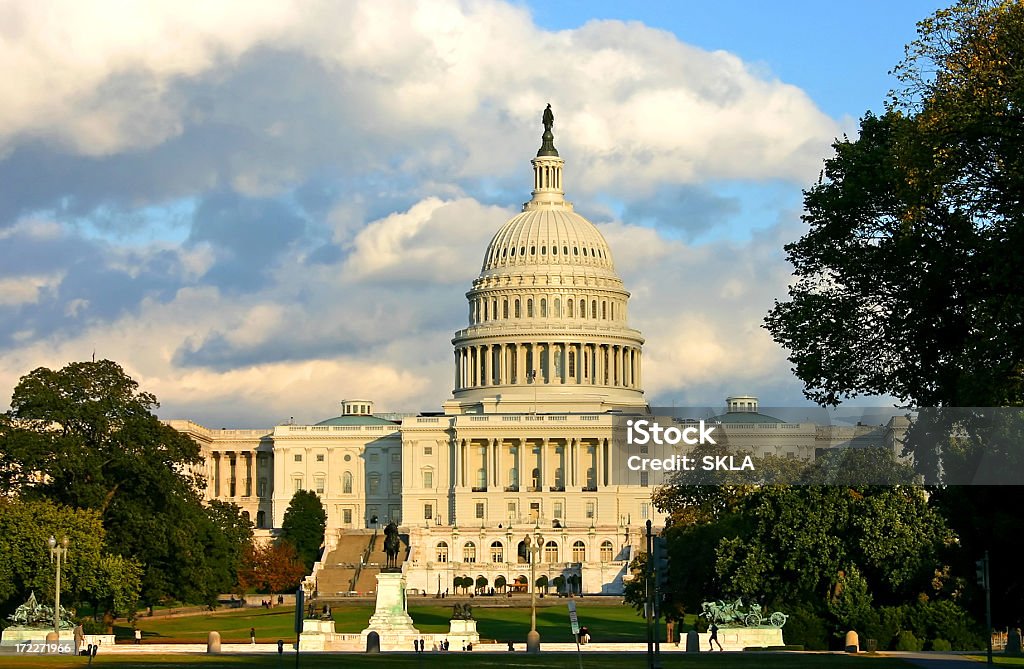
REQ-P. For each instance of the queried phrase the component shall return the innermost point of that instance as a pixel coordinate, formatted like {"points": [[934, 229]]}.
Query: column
{"points": [[495, 463], [248, 473], [544, 464], [599, 474], [485, 364], [457, 447]]}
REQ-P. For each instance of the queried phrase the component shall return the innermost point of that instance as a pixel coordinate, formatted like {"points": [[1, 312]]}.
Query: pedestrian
{"points": [[138, 636], [714, 638], [252, 635]]}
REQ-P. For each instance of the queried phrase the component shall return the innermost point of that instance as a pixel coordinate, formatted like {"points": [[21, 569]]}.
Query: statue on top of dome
{"points": [[547, 147], [549, 118]]}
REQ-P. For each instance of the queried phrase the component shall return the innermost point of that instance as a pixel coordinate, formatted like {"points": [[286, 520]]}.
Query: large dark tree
{"points": [[86, 436], [909, 279], [303, 525]]}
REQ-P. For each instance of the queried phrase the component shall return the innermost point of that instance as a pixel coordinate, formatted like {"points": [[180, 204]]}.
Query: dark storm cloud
{"points": [[689, 209]]}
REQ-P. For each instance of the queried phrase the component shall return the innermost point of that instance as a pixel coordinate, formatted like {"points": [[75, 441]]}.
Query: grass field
{"points": [[605, 623], [471, 661]]}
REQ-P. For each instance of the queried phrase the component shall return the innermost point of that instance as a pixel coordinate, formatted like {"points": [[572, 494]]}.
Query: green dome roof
{"points": [[356, 420], [745, 417]]}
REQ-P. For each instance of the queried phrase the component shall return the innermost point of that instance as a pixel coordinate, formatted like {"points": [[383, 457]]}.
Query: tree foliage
{"points": [[274, 567], [908, 281], [89, 573], [304, 524], [85, 436]]}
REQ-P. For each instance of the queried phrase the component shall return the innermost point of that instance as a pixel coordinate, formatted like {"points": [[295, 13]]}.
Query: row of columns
{"points": [[483, 309], [548, 363], [235, 473], [500, 463]]}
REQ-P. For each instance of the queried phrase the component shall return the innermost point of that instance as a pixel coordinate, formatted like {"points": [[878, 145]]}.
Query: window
{"points": [[319, 483], [569, 304], [298, 457], [504, 309], [373, 486], [396, 458], [511, 510], [558, 510], [428, 478], [543, 307], [583, 308], [428, 512], [644, 510], [529, 308], [593, 309], [644, 479], [346, 483], [606, 551], [558, 308], [442, 552], [374, 457], [518, 314], [497, 552], [396, 483], [480, 510], [297, 484], [551, 552], [346, 516], [428, 450], [261, 487], [319, 457], [579, 552], [591, 509], [469, 552]]}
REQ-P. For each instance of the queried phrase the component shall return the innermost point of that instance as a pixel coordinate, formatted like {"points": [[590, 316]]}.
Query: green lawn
{"points": [[473, 661], [605, 623]]}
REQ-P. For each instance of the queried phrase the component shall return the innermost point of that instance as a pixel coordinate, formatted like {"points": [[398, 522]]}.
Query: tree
{"points": [[90, 573], [274, 567], [908, 281], [304, 524], [85, 436], [500, 583], [559, 583], [481, 583], [542, 582]]}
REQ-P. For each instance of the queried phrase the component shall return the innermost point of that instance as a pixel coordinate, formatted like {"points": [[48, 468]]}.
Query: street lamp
{"points": [[58, 553], [533, 549]]}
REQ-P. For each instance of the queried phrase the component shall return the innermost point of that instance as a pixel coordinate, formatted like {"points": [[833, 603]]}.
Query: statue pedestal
{"points": [[18, 634], [316, 634], [461, 632], [391, 618]]}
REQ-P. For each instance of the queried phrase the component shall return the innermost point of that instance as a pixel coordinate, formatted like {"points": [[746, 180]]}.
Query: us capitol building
{"points": [[545, 366]]}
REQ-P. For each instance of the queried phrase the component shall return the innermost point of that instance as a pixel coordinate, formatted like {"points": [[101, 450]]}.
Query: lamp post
{"points": [[533, 548], [58, 552]]}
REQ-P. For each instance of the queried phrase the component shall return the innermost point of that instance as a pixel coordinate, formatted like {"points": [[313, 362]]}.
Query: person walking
{"points": [[714, 638], [138, 636], [252, 635]]}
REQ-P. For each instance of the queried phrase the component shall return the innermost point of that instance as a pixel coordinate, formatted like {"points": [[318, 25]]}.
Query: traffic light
{"points": [[979, 570], [662, 563]]}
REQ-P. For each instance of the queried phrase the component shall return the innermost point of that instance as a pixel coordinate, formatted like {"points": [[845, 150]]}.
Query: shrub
{"points": [[805, 627], [941, 644], [906, 641], [90, 626]]}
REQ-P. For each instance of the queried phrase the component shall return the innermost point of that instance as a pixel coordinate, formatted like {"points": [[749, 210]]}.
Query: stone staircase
{"points": [[354, 563]]}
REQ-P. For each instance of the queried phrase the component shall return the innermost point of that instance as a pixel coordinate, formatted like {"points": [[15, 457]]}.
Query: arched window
{"points": [[543, 307], [604, 310], [606, 551], [613, 311], [579, 552], [569, 304], [529, 308], [593, 309], [442, 551], [551, 552], [504, 309], [558, 308], [583, 308], [497, 552], [469, 552], [517, 311], [494, 308], [346, 483]]}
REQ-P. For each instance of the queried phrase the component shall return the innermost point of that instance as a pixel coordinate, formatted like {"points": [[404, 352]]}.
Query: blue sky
{"points": [[260, 209]]}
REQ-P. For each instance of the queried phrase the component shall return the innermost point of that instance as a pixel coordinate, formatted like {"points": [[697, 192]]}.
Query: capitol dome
{"points": [[547, 314]]}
